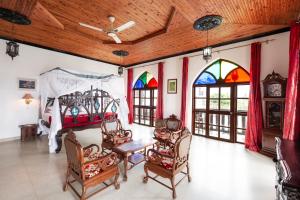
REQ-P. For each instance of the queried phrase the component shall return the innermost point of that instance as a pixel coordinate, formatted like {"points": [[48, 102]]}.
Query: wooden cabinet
{"points": [[28, 131], [274, 113], [274, 97]]}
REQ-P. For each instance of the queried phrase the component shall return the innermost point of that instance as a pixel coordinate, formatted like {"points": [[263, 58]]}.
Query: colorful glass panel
{"points": [[205, 78], [75, 111], [146, 80], [215, 69], [149, 77], [223, 71], [97, 104], [143, 78], [226, 67], [237, 75], [114, 107], [139, 84], [152, 83]]}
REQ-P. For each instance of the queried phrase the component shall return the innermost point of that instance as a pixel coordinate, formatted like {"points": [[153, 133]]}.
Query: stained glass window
{"points": [[220, 102], [222, 71], [237, 75], [146, 80], [145, 98], [206, 78]]}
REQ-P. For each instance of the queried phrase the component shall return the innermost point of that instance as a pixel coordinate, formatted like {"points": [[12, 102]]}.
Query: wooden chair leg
{"points": [[83, 193], [116, 183], [188, 172], [67, 180], [145, 180], [173, 187]]}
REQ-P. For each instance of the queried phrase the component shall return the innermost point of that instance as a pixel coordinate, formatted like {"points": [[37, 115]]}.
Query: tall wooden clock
{"points": [[274, 97]]}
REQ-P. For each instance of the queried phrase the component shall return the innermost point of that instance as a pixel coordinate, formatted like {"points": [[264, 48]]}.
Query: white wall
{"points": [[274, 57], [29, 64]]}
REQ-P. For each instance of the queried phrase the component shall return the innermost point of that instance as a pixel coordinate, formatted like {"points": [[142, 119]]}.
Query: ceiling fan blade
{"points": [[125, 26], [116, 38], [91, 27]]}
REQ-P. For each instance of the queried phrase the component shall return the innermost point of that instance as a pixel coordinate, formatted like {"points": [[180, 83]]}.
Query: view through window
{"points": [[220, 102]]}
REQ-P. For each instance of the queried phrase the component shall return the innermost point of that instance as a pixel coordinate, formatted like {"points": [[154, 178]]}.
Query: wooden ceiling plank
{"points": [[42, 14], [24, 7], [151, 17]]}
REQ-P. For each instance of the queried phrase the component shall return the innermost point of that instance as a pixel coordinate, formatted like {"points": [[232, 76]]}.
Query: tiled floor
{"points": [[219, 170]]}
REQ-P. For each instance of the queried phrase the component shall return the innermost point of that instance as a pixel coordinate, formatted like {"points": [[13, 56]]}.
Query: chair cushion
{"points": [[165, 135], [94, 156], [91, 170], [120, 139], [165, 162]]}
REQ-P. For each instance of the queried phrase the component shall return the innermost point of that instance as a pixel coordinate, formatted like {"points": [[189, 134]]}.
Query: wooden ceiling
{"points": [[55, 24]]}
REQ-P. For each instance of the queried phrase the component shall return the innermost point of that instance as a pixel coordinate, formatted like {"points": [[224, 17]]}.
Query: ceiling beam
{"points": [[151, 35], [171, 16], [185, 8], [113, 42], [42, 14]]}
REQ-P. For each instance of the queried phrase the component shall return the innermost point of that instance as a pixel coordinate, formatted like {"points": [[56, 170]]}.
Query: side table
{"points": [[28, 130]]}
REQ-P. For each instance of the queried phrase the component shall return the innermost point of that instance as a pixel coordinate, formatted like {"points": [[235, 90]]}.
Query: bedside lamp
{"points": [[28, 98]]}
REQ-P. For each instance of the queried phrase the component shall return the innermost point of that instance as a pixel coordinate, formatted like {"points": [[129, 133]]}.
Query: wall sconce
{"points": [[28, 98]]}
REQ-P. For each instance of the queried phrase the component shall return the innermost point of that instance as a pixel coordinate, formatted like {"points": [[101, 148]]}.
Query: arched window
{"points": [[145, 97], [220, 102]]}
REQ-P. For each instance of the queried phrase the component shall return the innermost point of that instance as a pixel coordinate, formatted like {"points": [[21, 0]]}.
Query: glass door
{"points": [[219, 112]]}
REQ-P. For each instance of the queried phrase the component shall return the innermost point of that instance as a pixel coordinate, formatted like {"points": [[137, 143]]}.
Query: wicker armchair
{"points": [[167, 130], [169, 163], [113, 134], [88, 166]]}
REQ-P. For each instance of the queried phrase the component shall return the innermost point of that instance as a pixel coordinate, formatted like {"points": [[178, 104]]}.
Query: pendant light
{"points": [[207, 51], [206, 23], [121, 54], [12, 48]]}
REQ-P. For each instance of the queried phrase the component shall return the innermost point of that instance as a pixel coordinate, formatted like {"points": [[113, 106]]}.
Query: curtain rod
{"points": [[200, 54], [78, 75], [154, 63]]}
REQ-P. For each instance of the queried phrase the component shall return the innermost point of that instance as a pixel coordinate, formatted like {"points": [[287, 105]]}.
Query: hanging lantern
{"points": [[120, 70], [12, 49], [207, 51], [121, 54], [206, 23]]}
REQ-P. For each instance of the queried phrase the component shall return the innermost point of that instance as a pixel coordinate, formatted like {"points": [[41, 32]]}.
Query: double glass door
{"points": [[216, 114]]}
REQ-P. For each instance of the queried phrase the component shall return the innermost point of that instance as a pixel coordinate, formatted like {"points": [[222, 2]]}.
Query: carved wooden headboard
{"points": [[94, 103]]}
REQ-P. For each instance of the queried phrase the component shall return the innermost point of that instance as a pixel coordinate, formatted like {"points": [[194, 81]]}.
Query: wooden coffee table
{"points": [[132, 152]]}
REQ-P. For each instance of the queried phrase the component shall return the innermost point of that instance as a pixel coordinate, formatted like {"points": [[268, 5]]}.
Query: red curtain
{"points": [[129, 95], [291, 128], [185, 66], [159, 105], [255, 121]]}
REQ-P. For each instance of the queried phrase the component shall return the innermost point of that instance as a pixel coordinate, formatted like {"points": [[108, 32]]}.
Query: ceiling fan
{"points": [[111, 32]]}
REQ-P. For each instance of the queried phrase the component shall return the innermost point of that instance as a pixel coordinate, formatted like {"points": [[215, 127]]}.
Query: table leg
{"points": [[125, 167]]}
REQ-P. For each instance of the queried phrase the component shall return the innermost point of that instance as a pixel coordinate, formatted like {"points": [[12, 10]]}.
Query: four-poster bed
{"points": [[76, 101]]}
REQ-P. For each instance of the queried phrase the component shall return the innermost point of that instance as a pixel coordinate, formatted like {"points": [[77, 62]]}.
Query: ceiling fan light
{"points": [[207, 53]]}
